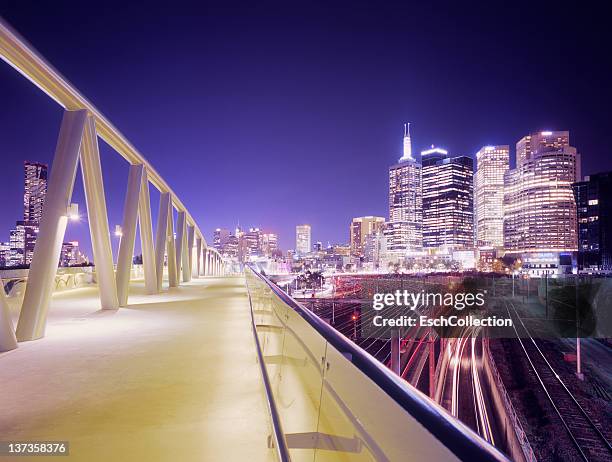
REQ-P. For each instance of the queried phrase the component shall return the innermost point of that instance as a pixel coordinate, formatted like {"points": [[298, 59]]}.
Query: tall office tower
{"points": [[253, 240], [70, 254], [17, 245], [492, 162], [448, 200], [360, 228], [220, 236], [302, 239], [5, 249], [540, 142], [594, 208], [539, 204], [35, 191], [404, 230], [269, 244]]}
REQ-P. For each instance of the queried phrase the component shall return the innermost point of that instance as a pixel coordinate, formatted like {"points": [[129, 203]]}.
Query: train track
{"points": [[585, 435]]}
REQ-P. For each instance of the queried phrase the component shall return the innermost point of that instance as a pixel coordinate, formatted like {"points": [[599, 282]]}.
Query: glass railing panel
{"points": [[358, 421], [299, 393]]}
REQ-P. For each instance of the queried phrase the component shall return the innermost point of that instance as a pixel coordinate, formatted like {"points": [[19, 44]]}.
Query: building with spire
{"points": [[404, 233]]}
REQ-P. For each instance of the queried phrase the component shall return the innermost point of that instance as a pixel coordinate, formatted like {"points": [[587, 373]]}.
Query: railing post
{"points": [[128, 227], [41, 277], [146, 235], [97, 216], [8, 341]]}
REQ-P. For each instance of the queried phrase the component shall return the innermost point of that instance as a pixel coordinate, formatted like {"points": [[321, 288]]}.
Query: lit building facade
{"points": [[35, 191], [302, 239], [360, 228], [253, 241], [269, 244], [404, 231], [70, 254], [448, 200], [539, 204], [5, 249], [594, 215], [220, 236], [492, 163]]}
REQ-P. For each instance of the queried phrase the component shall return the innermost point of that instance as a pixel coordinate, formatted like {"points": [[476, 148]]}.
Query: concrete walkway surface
{"points": [[172, 377]]}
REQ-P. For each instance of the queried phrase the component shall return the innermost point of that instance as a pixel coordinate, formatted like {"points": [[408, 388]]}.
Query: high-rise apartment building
{"points": [[23, 238], [302, 239], [594, 214], [220, 236], [35, 191], [492, 162], [404, 231], [539, 204], [5, 250], [253, 241], [360, 228], [448, 200], [269, 242]]}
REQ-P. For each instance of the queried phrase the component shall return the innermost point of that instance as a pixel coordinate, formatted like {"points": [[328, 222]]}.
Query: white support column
{"points": [[41, 277], [161, 238], [164, 242], [182, 259], [145, 225], [128, 228], [206, 263], [8, 341], [97, 216], [198, 269], [170, 249], [190, 242]]}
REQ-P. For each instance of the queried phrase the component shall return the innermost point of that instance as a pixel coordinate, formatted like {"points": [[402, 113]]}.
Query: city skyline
{"points": [[247, 125]]}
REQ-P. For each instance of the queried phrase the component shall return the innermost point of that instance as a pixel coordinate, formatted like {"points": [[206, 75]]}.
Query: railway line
{"points": [[583, 434]]}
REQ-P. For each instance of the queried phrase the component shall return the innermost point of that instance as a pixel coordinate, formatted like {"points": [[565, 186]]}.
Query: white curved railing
{"points": [[187, 255]]}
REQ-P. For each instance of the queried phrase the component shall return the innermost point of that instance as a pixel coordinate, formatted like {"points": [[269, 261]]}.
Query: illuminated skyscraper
{"points": [[360, 228], [539, 205], [23, 237], [492, 162], [448, 200], [404, 230], [254, 241], [302, 239], [594, 207], [269, 244], [220, 237]]}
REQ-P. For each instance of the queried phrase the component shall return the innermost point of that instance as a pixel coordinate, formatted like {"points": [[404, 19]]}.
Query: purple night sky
{"points": [[275, 115]]}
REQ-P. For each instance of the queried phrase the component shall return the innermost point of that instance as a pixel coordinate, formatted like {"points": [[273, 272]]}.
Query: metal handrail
{"points": [[458, 438], [280, 444]]}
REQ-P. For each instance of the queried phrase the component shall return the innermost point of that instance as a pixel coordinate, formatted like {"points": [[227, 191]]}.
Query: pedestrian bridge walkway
{"points": [[172, 377]]}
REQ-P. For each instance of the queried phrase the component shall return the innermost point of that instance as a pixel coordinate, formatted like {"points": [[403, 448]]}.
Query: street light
{"points": [[73, 212]]}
